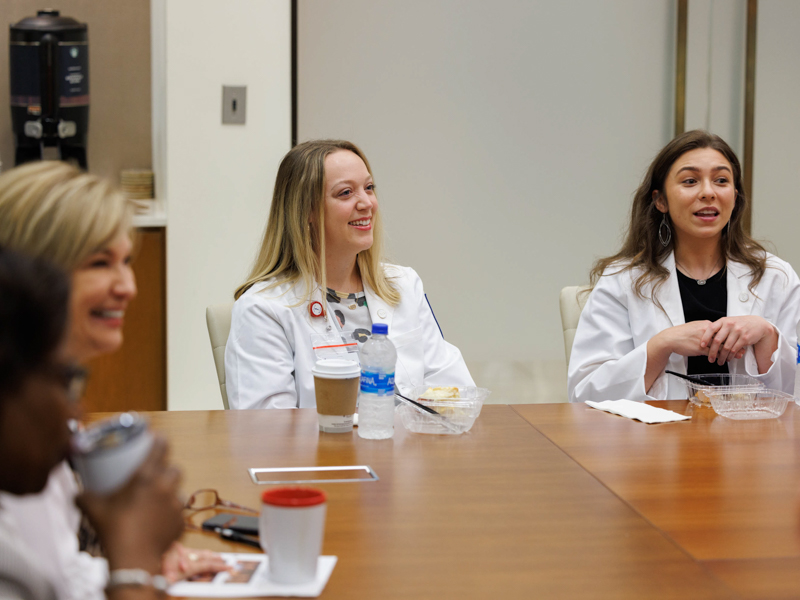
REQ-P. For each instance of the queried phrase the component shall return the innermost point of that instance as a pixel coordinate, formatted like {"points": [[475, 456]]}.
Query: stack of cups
{"points": [[336, 383], [290, 529]]}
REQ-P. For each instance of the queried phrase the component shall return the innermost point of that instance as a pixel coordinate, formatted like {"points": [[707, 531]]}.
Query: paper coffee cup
{"points": [[290, 529], [336, 383], [107, 453]]}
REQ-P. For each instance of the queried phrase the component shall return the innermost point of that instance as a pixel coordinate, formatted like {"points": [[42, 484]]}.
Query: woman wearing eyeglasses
{"points": [[37, 383], [690, 291], [83, 225]]}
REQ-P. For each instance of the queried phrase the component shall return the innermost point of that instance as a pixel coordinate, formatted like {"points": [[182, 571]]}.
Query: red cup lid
{"points": [[293, 496]]}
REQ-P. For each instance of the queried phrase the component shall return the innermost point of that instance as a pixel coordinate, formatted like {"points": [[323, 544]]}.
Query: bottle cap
{"points": [[380, 328], [336, 368]]}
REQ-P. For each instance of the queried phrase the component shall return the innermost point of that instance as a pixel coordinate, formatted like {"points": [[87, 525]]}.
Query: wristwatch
{"points": [[136, 578]]}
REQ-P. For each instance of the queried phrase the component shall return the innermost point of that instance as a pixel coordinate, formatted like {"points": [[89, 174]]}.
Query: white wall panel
{"points": [[776, 163], [218, 178]]}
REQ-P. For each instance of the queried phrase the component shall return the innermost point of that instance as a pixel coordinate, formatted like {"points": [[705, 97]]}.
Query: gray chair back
{"points": [[571, 302], [218, 319]]}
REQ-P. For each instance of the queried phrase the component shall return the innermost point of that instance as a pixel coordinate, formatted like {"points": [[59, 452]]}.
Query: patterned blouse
{"points": [[352, 313]]}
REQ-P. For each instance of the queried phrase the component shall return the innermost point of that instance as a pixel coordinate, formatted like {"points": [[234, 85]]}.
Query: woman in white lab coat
{"points": [[320, 272], [690, 291]]}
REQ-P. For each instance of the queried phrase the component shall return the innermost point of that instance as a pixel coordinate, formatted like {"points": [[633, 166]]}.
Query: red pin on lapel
{"points": [[315, 309]]}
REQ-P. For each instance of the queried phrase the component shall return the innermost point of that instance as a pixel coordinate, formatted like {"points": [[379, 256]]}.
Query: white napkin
{"points": [[638, 410], [258, 586]]}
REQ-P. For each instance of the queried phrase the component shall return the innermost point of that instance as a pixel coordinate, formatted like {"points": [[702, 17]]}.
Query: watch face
{"points": [[316, 309]]}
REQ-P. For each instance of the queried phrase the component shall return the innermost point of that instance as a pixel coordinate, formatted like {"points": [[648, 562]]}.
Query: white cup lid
{"points": [[336, 368]]}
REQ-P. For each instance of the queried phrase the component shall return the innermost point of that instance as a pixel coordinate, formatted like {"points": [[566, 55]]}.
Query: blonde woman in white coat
{"points": [[322, 246], [689, 291]]}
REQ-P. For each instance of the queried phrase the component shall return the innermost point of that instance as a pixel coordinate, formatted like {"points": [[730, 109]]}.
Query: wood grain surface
{"points": [[727, 492], [499, 512]]}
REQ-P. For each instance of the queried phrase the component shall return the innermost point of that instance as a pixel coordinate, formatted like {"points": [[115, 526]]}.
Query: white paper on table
{"points": [[257, 584], [638, 410]]}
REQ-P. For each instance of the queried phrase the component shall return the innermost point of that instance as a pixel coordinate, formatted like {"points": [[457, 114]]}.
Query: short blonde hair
{"points": [[54, 211], [294, 243]]}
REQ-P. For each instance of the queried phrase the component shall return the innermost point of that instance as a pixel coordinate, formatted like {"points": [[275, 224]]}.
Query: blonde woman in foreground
{"points": [[82, 224], [320, 270], [690, 290]]}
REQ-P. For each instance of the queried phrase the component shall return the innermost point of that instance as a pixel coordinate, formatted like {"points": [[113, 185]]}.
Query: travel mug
{"points": [[290, 529]]}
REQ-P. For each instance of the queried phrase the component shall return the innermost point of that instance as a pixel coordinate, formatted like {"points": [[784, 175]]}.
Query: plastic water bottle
{"points": [[376, 397]]}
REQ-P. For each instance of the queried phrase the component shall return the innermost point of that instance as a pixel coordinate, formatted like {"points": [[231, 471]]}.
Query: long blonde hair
{"points": [[52, 210], [642, 248], [293, 247]]}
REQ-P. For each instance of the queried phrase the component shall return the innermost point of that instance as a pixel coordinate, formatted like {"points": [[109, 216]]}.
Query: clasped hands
{"points": [[724, 339]]}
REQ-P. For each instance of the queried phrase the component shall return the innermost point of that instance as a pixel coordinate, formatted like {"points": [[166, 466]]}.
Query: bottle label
{"points": [[381, 384]]}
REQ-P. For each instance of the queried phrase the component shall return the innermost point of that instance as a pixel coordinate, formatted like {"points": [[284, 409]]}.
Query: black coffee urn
{"points": [[49, 56]]}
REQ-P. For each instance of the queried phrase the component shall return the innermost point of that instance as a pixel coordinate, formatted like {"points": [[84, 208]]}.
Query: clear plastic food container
{"points": [[698, 392], [753, 404], [460, 412]]}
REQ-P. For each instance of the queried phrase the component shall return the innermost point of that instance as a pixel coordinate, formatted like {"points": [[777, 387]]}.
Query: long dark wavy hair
{"points": [[642, 249]]}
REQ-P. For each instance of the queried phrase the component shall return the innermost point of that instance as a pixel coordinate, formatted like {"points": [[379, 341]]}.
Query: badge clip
{"points": [[315, 309]]}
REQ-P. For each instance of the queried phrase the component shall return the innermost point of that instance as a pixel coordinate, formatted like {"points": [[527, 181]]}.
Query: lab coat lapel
{"points": [[379, 311], [740, 299], [670, 293]]}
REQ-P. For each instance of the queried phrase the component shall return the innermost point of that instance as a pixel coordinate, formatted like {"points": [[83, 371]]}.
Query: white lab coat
{"points": [[268, 358], [609, 354], [47, 524]]}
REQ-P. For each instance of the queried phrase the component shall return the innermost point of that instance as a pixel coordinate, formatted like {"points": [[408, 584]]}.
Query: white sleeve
{"points": [[48, 525], [605, 364], [259, 358], [782, 310], [444, 364]]}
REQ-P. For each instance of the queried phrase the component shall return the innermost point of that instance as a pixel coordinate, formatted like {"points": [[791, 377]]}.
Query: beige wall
{"points": [[119, 80], [506, 138], [776, 161]]}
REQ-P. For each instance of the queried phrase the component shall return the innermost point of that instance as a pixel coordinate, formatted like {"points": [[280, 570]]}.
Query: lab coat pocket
{"points": [[410, 369]]}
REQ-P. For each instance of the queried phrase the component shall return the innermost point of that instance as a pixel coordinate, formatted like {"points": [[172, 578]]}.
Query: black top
{"points": [[704, 302]]}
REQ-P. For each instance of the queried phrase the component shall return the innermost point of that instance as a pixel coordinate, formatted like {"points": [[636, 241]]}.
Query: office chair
{"points": [[218, 319], [571, 302]]}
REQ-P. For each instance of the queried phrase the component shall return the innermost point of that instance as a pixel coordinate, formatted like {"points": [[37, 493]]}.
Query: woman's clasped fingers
{"points": [[723, 341], [733, 335], [713, 338]]}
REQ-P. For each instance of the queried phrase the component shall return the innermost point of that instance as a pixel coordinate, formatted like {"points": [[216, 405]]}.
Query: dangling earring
{"points": [[664, 231]]}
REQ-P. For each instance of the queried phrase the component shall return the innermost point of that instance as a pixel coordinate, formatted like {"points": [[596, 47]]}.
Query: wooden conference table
{"points": [[537, 501]]}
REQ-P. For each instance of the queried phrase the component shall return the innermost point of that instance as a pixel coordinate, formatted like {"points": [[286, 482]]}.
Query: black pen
{"points": [[230, 534]]}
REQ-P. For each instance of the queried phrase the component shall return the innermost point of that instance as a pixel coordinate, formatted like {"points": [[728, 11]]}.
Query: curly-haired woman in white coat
{"points": [[690, 290], [320, 271]]}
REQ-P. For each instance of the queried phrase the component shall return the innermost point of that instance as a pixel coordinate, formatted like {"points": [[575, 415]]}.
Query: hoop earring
{"points": [[664, 231]]}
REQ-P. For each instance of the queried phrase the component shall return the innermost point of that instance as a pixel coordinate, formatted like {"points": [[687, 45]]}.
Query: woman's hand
{"points": [[682, 339], [729, 337], [181, 562], [138, 523], [685, 339]]}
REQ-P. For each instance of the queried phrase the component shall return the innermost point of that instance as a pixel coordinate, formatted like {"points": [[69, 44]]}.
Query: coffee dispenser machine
{"points": [[49, 86]]}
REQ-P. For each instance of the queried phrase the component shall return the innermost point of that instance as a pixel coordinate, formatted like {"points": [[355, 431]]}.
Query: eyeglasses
{"points": [[72, 377], [203, 500], [208, 499]]}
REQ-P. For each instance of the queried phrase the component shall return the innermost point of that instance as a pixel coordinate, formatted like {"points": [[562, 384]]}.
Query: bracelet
{"points": [[136, 578]]}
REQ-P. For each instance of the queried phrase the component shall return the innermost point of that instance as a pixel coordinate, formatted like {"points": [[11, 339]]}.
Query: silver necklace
{"points": [[705, 279]]}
